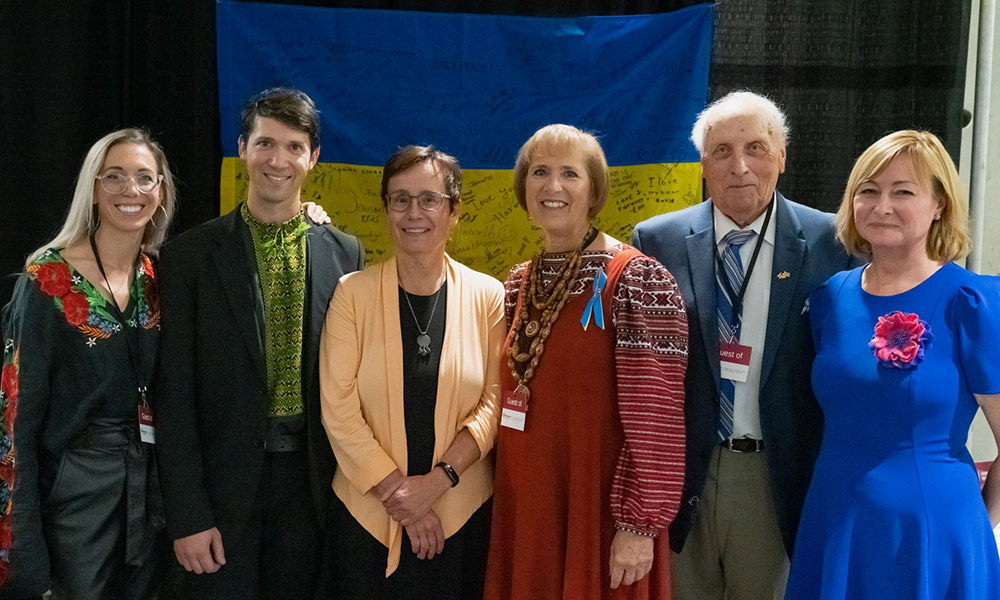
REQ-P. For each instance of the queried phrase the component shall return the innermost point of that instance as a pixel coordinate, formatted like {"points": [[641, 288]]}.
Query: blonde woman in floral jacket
{"points": [[79, 506]]}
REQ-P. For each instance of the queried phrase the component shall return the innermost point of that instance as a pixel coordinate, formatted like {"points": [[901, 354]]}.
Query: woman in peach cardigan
{"points": [[409, 374]]}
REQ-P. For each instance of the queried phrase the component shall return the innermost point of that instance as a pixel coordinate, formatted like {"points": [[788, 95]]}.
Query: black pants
{"points": [[276, 556]]}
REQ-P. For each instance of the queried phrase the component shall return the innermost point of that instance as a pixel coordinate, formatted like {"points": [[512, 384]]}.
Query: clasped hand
{"points": [[408, 500], [426, 536], [414, 497]]}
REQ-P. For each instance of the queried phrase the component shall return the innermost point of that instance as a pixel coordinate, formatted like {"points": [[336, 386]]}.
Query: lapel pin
{"points": [[784, 275]]}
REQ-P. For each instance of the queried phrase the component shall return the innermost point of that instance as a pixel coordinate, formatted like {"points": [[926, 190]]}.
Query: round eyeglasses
{"points": [[400, 201], [117, 183]]}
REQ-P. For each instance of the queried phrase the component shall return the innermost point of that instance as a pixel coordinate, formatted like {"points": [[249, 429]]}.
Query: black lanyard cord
{"points": [[131, 338]]}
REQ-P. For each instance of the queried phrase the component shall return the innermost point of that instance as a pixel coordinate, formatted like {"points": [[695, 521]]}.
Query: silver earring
{"points": [[153, 222]]}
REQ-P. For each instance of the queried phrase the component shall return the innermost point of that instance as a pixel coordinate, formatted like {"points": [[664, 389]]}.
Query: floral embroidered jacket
{"points": [[66, 361]]}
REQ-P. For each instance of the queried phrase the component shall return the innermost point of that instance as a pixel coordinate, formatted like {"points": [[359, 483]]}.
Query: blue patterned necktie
{"points": [[730, 267]]}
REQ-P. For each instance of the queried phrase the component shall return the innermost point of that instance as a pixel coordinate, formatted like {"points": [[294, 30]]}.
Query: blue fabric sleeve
{"points": [[975, 315]]}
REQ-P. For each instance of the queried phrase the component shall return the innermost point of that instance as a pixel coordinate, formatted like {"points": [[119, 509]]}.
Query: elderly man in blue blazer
{"points": [[745, 262]]}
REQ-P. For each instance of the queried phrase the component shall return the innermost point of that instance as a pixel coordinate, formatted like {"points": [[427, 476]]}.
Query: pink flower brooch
{"points": [[900, 340]]}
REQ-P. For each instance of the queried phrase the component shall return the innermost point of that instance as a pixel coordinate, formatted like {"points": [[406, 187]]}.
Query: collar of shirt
{"points": [[724, 225]]}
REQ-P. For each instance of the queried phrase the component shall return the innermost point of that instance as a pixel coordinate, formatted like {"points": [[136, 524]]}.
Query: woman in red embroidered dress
{"points": [[590, 455], [79, 507]]}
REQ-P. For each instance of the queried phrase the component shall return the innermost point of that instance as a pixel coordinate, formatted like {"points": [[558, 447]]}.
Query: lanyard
{"points": [[738, 298], [131, 338]]}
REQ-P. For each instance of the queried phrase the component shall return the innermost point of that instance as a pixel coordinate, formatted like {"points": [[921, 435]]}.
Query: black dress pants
{"points": [[276, 556]]}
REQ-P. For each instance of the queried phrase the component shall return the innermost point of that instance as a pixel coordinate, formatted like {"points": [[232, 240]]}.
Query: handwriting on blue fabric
{"points": [[476, 86]]}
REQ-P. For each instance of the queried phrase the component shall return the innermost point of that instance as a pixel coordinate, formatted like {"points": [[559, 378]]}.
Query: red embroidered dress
{"points": [[603, 445]]}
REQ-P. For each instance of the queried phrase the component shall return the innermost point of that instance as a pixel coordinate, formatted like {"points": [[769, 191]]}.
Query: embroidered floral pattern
{"points": [[76, 308], [8, 408], [84, 307], [54, 278], [148, 294], [900, 340]]}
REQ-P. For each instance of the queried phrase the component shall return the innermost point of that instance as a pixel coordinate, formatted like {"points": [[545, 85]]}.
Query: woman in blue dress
{"points": [[904, 357]]}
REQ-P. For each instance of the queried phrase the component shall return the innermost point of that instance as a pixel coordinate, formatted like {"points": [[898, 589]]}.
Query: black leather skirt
{"points": [[101, 515]]}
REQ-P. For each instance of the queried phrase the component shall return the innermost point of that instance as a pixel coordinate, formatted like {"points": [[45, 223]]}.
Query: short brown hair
{"points": [[288, 106], [409, 156], [560, 138], [948, 238]]}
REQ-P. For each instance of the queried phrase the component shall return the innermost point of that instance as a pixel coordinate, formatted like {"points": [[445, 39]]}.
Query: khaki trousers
{"points": [[734, 551]]}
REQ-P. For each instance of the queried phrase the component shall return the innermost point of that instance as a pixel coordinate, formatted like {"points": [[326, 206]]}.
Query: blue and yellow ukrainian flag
{"points": [[477, 87]]}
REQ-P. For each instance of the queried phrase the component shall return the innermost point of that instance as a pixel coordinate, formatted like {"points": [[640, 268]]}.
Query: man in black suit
{"points": [[753, 426], [244, 461]]}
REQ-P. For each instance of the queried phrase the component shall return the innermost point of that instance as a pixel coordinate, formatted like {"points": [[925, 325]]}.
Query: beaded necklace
{"points": [[549, 301]]}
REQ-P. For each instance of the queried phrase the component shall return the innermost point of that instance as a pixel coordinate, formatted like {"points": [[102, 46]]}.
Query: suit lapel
{"points": [[789, 252], [701, 263], [321, 280], [231, 259]]}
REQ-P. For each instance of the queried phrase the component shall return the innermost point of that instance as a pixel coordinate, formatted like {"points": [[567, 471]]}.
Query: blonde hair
{"points": [[948, 238], [81, 220], [740, 102], [557, 139]]}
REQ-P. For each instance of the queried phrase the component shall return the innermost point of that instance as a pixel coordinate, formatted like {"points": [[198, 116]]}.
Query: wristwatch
{"points": [[449, 471]]}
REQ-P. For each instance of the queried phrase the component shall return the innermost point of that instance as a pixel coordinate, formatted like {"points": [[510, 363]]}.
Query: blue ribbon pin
{"points": [[594, 305]]}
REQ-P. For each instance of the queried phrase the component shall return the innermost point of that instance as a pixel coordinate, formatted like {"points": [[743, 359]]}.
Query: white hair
{"points": [[737, 103], [82, 219]]}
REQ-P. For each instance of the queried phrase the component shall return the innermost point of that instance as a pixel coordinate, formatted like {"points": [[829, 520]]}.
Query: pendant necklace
{"points": [[423, 340]]}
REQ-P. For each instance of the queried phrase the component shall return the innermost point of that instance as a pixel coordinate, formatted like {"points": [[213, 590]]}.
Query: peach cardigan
{"points": [[361, 390]]}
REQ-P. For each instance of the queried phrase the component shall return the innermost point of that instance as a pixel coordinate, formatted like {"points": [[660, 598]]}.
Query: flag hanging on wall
{"points": [[476, 87]]}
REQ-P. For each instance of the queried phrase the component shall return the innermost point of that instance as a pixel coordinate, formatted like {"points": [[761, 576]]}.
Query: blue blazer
{"points": [[791, 421]]}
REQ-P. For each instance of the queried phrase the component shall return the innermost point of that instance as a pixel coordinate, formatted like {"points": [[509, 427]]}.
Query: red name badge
{"points": [[515, 409], [146, 431], [734, 361]]}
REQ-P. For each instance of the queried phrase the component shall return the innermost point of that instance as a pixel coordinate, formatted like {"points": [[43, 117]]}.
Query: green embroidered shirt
{"points": [[280, 250]]}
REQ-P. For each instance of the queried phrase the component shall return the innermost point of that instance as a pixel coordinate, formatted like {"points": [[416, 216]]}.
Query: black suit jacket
{"points": [[211, 406], [806, 254]]}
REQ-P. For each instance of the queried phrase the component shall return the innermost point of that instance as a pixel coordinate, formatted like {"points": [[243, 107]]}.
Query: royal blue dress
{"points": [[894, 508]]}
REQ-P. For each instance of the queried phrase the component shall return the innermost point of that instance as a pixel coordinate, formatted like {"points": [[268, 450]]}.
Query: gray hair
{"points": [[740, 102], [81, 220]]}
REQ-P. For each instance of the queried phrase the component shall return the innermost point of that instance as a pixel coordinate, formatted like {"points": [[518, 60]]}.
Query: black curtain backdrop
{"points": [[846, 72]]}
